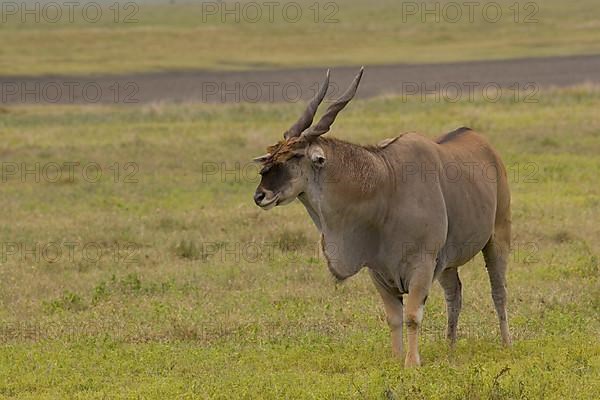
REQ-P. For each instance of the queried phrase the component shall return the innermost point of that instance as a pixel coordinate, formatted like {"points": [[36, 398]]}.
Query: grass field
{"points": [[198, 293], [161, 35]]}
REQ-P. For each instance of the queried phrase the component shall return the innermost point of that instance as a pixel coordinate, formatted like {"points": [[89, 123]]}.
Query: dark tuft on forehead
{"points": [[284, 150]]}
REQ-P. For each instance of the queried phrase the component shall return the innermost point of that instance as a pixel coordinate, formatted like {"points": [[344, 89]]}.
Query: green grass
{"points": [[178, 35], [224, 300]]}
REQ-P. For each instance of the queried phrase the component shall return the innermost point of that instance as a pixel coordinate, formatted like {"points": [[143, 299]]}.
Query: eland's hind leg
{"points": [[496, 253], [453, 292]]}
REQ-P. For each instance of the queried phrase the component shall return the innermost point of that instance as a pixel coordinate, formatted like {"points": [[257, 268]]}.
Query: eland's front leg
{"points": [[418, 290], [392, 302]]}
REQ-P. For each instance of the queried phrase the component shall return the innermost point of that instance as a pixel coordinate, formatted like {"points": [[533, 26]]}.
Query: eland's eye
{"points": [[265, 169]]}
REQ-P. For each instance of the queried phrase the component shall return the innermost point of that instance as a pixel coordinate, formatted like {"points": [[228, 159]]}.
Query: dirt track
{"points": [[295, 84]]}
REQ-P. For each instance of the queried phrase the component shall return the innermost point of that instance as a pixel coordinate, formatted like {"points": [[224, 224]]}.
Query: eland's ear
{"points": [[262, 158], [317, 156]]}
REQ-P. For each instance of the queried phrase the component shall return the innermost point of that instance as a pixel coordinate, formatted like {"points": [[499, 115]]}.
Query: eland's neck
{"points": [[348, 191]]}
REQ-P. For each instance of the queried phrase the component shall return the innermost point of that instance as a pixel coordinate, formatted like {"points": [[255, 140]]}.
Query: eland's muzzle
{"points": [[259, 196]]}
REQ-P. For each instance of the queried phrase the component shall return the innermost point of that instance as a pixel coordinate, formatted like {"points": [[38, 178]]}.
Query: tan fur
{"points": [[412, 210], [394, 210]]}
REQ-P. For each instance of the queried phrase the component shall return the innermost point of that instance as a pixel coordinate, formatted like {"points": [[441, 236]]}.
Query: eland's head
{"points": [[289, 164]]}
